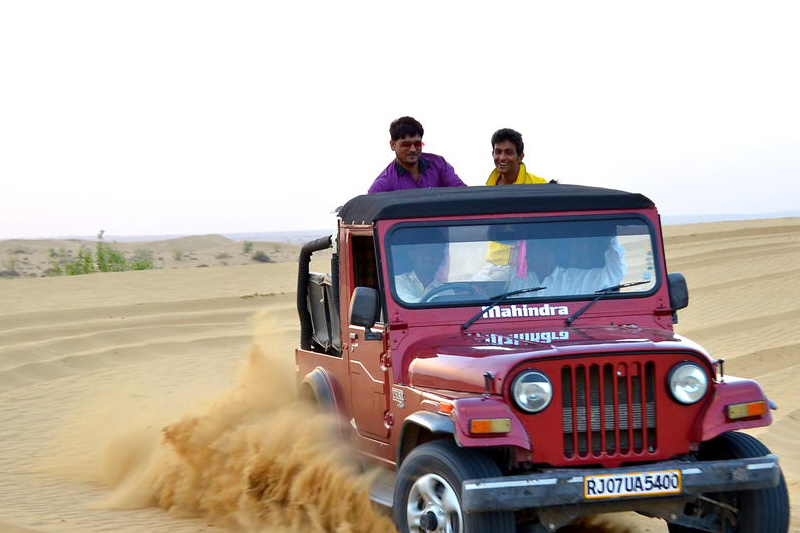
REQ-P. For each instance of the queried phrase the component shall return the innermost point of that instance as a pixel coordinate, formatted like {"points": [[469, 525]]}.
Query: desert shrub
{"points": [[10, 264], [107, 259], [18, 250], [222, 255], [82, 264], [58, 261], [142, 260], [247, 247], [261, 257], [9, 268], [177, 255]]}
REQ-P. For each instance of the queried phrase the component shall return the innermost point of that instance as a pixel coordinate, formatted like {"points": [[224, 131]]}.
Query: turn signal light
{"points": [[747, 410], [445, 408], [479, 426]]}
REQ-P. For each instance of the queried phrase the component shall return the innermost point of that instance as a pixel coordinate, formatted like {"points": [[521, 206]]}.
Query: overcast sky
{"points": [[167, 117]]}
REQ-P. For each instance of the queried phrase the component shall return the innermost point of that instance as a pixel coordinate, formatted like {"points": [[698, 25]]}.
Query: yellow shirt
{"points": [[523, 178], [499, 253]]}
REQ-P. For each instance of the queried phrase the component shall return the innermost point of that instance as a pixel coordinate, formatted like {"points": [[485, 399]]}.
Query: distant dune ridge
{"points": [[35, 258], [121, 393]]}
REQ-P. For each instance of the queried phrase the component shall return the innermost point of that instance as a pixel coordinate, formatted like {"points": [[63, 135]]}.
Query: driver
{"points": [[545, 268], [424, 260]]}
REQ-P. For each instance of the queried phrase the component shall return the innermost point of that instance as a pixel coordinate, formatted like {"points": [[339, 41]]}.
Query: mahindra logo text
{"points": [[515, 339], [525, 310]]}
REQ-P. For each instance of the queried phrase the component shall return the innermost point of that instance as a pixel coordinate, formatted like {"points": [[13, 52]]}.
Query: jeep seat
{"points": [[324, 315]]}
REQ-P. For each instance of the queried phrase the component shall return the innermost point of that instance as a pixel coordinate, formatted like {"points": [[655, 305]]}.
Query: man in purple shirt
{"points": [[412, 169]]}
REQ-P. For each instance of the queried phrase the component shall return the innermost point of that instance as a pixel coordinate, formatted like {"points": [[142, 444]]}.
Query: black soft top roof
{"points": [[454, 201]]}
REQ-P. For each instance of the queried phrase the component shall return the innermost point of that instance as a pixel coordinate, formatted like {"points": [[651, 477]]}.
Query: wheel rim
{"points": [[431, 498]]}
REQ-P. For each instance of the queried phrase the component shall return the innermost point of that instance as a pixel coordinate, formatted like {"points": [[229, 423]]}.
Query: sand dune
{"points": [[93, 367], [25, 258]]}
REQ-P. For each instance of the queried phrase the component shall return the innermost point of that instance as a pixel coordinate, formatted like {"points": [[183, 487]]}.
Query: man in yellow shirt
{"points": [[508, 151]]}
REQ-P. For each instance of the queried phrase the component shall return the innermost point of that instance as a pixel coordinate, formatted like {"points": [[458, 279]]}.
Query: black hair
{"points": [[405, 127], [507, 134]]}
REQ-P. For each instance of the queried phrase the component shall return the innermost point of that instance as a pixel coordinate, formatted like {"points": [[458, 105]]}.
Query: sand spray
{"points": [[251, 460]]}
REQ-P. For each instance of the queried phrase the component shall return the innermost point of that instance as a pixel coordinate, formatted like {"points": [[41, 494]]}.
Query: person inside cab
{"points": [[569, 266], [416, 267]]}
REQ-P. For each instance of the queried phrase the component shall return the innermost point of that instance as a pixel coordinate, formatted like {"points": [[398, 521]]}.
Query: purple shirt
{"points": [[434, 171]]}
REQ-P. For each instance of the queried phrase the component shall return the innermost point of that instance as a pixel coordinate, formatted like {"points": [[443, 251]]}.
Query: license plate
{"points": [[633, 484]]}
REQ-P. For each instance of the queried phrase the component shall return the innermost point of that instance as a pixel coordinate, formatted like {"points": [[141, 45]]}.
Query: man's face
{"points": [[506, 158], [408, 149], [541, 257]]}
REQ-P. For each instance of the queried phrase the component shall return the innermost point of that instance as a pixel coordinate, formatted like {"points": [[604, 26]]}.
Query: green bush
{"points": [[247, 247], [82, 264], [261, 257], [142, 260], [107, 259], [58, 260]]}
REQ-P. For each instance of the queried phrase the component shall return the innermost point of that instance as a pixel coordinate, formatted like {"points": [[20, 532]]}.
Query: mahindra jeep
{"points": [[507, 356]]}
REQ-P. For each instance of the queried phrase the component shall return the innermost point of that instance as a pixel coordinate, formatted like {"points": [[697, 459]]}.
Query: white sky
{"points": [[163, 117]]}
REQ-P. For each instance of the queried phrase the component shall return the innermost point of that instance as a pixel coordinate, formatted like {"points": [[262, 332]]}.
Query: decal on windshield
{"points": [[515, 339], [525, 310]]}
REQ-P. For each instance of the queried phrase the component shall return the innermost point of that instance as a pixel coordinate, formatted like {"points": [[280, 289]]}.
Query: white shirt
{"points": [[568, 281], [410, 289]]}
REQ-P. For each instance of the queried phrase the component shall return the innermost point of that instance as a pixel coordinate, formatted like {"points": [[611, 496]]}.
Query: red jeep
{"points": [[507, 355]]}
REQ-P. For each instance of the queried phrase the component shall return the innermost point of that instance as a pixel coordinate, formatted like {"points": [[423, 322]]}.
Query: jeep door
{"points": [[366, 352]]}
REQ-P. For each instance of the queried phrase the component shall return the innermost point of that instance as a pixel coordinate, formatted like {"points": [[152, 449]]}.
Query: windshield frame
{"points": [[658, 264]]}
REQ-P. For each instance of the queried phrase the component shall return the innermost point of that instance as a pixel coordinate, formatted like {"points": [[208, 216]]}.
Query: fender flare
{"points": [[322, 390], [409, 432]]}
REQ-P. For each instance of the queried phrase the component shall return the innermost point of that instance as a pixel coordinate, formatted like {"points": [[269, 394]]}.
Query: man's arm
{"points": [[407, 289], [381, 184], [615, 262], [385, 181], [448, 176]]}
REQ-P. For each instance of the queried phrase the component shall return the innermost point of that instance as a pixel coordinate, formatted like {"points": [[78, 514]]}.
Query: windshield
{"points": [[471, 263]]}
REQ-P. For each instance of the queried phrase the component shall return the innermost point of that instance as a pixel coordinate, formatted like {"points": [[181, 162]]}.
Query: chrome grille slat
{"points": [[625, 425]]}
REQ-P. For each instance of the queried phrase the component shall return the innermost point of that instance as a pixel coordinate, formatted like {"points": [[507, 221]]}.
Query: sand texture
{"points": [[156, 400]]}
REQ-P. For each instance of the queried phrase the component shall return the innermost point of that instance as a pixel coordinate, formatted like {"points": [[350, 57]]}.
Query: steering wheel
{"points": [[469, 288]]}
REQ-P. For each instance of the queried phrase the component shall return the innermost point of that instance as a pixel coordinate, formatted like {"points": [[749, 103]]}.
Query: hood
{"points": [[459, 362]]}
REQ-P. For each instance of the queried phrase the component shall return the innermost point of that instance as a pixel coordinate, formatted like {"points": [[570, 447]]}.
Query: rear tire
{"points": [[760, 511], [428, 491]]}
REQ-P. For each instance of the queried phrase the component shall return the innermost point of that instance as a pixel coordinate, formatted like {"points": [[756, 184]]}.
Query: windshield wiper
{"points": [[500, 298], [600, 294]]}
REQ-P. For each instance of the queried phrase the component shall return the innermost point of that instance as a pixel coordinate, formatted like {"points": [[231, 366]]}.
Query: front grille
{"points": [[602, 409]]}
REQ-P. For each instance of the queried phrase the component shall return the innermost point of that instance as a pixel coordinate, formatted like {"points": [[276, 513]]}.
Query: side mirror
{"points": [[678, 292], [364, 307]]}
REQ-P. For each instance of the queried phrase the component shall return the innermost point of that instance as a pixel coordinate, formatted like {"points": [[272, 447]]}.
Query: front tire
{"points": [[427, 494], [759, 511]]}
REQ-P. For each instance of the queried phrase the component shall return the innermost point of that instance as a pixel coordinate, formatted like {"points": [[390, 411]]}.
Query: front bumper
{"points": [[566, 486]]}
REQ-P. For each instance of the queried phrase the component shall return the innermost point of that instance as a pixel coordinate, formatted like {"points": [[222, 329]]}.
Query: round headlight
{"points": [[532, 391], [688, 383]]}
